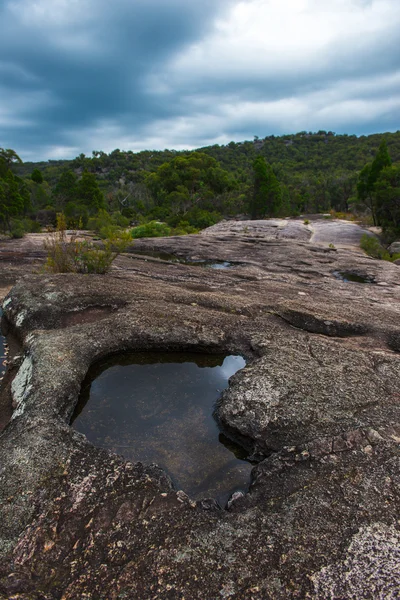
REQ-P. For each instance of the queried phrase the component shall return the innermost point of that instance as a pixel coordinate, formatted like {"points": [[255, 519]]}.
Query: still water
{"points": [[200, 262], [158, 408], [348, 276]]}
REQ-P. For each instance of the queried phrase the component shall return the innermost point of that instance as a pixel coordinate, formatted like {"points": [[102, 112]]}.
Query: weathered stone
{"points": [[318, 403], [394, 248]]}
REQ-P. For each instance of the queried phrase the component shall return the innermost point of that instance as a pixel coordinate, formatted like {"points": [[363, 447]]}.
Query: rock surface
{"points": [[394, 248], [318, 404]]}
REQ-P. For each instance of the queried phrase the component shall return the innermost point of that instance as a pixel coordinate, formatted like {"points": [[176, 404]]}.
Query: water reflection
{"points": [[351, 277], [194, 262], [158, 408]]}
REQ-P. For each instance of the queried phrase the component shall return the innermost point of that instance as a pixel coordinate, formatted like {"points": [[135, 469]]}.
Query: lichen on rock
{"points": [[318, 403]]}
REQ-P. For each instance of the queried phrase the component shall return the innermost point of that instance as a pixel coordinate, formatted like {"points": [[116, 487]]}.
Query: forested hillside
{"points": [[304, 173]]}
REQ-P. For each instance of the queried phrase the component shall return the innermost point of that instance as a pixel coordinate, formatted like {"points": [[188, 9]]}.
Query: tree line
{"points": [[274, 176]]}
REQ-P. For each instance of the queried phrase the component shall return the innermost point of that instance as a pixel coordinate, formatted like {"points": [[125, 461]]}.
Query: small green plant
{"points": [[306, 222], [66, 254], [331, 246]]}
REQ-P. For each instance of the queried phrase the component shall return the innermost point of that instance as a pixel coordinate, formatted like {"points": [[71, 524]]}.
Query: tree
{"points": [[267, 194], [89, 193], [11, 201], [65, 190], [369, 176], [8, 158], [187, 181], [387, 192], [37, 176]]}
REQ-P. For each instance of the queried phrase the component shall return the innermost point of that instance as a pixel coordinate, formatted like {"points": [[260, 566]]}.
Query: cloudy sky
{"points": [[83, 75]]}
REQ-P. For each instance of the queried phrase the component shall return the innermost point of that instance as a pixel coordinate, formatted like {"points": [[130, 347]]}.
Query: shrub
{"points": [[60, 250], [183, 228], [151, 229], [372, 247], [76, 215], [31, 226], [101, 220], [202, 218], [46, 216], [17, 229], [68, 255], [119, 219], [92, 259]]}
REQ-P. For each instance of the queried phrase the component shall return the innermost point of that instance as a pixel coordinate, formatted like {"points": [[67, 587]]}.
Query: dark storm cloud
{"points": [[87, 62], [77, 75]]}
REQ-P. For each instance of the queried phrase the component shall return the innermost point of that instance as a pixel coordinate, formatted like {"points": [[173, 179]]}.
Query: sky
{"points": [[84, 75]]}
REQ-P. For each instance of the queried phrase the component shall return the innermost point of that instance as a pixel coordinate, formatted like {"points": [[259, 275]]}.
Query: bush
{"points": [[202, 218], [17, 229], [100, 221], [372, 247], [76, 215], [32, 226], [60, 250], [68, 255], [91, 259], [151, 229], [119, 219], [46, 216], [184, 228]]}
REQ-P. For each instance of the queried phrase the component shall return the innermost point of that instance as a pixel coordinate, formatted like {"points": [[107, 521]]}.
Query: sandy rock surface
{"points": [[317, 406]]}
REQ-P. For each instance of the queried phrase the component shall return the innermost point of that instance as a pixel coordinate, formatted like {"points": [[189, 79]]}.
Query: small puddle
{"points": [[350, 277], [158, 408], [182, 260]]}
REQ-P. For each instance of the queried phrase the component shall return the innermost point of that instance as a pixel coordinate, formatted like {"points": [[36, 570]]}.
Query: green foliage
{"points": [[89, 193], [37, 176], [99, 221], [46, 217], [151, 229], [65, 189], [186, 182], [200, 219], [8, 158], [76, 215], [12, 199], [183, 228], [387, 194], [103, 222], [17, 229], [119, 219], [61, 250], [31, 226], [267, 194], [370, 245], [40, 194], [368, 178], [317, 172], [66, 254]]}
